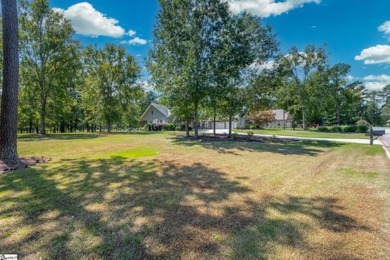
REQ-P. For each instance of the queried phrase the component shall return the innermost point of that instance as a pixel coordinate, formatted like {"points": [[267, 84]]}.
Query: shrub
{"points": [[336, 129], [350, 129], [362, 122], [235, 135], [252, 127], [177, 128], [146, 127], [322, 129], [169, 127], [250, 133], [362, 129]]}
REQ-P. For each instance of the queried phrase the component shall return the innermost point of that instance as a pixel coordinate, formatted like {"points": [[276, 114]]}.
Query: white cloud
{"points": [[383, 77], [385, 27], [146, 85], [268, 65], [375, 55], [374, 85], [265, 8], [131, 33], [135, 41], [376, 82], [86, 20], [349, 78]]}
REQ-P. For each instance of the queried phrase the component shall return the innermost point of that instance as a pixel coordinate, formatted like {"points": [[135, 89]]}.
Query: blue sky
{"points": [[355, 32]]}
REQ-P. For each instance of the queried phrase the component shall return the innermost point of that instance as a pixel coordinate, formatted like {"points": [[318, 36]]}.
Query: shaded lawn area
{"points": [[128, 196], [308, 133]]}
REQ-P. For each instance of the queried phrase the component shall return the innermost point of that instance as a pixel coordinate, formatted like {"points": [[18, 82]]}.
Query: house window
{"points": [[152, 112]]}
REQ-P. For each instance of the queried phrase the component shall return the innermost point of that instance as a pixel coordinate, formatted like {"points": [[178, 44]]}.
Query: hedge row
{"points": [[344, 129]]}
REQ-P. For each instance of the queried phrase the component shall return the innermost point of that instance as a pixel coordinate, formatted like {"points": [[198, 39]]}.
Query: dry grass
{"points": [[158, 196]]}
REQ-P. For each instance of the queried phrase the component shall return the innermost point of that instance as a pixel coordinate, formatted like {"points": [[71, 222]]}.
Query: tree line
{"points": [[64, 86], [210, 63]]}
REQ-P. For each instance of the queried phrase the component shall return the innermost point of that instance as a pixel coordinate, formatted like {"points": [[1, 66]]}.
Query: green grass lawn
{"points": [[308, 133], [148, 196]]}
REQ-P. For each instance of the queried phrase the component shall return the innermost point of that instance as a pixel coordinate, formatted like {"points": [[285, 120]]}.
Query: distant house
{"points": [[282, 118], [387, 123], [219, 124], [155, 114]]}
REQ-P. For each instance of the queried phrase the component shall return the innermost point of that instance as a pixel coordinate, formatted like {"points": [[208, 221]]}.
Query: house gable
{"points": [[155, 114]]}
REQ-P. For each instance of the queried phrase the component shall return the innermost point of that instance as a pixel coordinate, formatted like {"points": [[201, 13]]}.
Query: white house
{"points": [[281, 118], [156, 114]]}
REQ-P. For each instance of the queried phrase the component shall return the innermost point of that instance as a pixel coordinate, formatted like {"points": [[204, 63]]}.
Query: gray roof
{"points": [[163, 109], [279, 114]]}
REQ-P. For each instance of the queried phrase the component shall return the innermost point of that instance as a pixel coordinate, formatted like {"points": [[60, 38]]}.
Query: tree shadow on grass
{"points": [[78, 136], [128, 209], [293, 147]]}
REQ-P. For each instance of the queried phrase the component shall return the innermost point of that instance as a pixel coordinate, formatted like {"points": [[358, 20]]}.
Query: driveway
{"points": [[385, 139], [355, 141]]}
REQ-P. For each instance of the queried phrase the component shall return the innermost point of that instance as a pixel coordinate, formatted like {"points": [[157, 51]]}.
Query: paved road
{"points": [[385, 139], [355, 141]]}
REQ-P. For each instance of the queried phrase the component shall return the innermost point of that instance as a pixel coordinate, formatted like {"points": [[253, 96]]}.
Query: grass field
{"points": [[308, 133], [143, 196]]}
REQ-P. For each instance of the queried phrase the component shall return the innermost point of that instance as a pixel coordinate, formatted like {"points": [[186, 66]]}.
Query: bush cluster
{"points": [[344, 129], [250, 133], [160, 127]]}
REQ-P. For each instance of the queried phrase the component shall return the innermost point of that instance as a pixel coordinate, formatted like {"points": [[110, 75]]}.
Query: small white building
{"points": [[155, 114], [282, 118]]}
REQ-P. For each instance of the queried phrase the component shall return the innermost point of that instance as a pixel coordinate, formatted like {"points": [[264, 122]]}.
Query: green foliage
{"points": [[200, 56], [250, 133], [49, 60], [235, 135], [170, 127], [111, 92], [362, 122], [362, 129], [350, 129], [301, 73], [323, 129], [345, 129], [336, 129]]}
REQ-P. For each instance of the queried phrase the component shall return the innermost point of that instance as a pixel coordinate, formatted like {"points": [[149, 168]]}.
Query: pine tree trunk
{"points": [[30, 127], [196, 130], [230, 126], [215, 121], [43, 118], [9, 99], [187, 128]]}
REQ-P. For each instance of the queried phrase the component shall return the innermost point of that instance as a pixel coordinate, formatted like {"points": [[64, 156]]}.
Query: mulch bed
{"points": [[241, 138], [20, 163]]}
